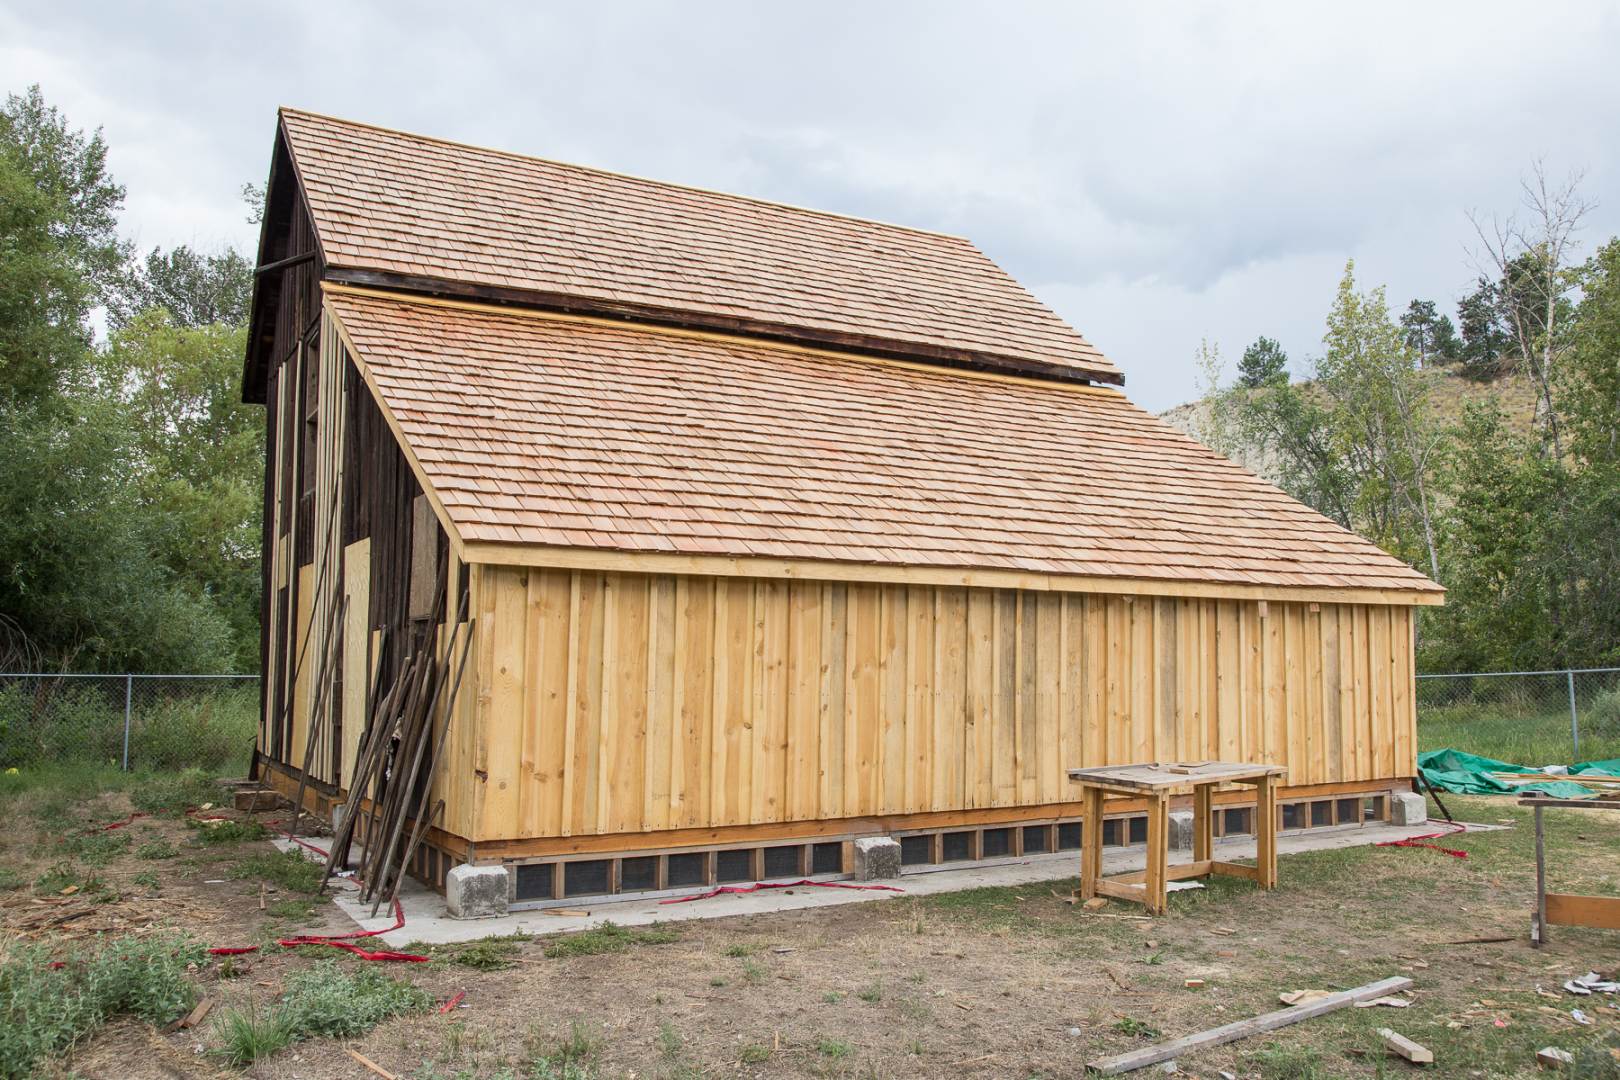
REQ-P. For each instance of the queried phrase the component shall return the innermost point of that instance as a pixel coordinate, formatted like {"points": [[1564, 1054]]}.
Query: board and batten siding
{"points": [[631, 703]]}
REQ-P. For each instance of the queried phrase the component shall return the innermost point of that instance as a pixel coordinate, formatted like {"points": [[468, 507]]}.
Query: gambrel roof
{"points": [[582, 365]]}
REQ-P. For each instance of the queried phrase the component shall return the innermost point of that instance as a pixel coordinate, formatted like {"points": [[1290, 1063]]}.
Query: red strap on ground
{"points": [[1417, 841], [724, 890], [453, 1002], [338, 941], [116, 824]]}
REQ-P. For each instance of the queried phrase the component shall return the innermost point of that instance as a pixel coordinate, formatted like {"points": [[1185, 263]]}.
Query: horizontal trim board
{"points": [[635, 562]]}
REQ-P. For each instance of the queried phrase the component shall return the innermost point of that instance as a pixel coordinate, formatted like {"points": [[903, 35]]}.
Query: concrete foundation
{"points": [[475, 892], [1408, 808], [1181, 830], [876, 857]]}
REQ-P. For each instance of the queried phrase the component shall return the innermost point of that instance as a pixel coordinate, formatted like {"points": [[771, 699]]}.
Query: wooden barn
{"points": [[761, 529]]}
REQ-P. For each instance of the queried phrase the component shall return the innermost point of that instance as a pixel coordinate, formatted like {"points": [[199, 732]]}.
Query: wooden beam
{"points": [[1572, 909], [1241, 1029], [1416, 1053]]}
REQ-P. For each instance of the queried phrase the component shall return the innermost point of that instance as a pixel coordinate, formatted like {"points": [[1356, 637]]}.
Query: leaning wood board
{"points": [[1165, 1051], [636, 703]]}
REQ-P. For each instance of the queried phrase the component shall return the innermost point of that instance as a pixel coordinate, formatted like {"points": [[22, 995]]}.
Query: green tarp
{"points": [[1470, 774]]}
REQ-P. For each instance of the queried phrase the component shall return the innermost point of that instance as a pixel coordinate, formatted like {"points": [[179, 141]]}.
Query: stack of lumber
{"points": [[401, 748]]}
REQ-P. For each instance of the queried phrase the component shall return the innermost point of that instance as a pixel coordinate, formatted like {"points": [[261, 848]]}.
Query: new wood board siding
{"points": [[612, 703]]}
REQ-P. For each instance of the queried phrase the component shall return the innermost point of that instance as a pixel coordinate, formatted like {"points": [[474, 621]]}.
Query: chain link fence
{"points": [[209, 721], [1524, 717], [131, 721]]}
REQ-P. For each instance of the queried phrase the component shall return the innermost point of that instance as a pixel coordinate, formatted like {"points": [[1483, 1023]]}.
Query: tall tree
{"points": [[1263, 364], [1531, 254], [196, 289], [60, 250], [1479, 321], [1428, 333], [79, 577]]}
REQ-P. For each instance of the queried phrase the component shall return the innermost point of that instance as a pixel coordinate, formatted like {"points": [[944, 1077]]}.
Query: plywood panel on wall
{"points": [[611, 703]]}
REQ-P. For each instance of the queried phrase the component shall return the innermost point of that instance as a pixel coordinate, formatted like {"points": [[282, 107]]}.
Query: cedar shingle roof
{"points": [[587, 434], [391, 203]]}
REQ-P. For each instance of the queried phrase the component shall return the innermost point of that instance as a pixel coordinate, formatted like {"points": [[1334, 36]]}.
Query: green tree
{"points": [[1263, 364], [1429, 334], [195, 289], [1484, 338], [58, 217], [199, 458], [80, 577]]}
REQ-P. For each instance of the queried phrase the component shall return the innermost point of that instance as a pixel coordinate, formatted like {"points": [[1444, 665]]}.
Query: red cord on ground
{"points": [[453, 1002], [725, 890], [1452, 827], [336, 941]]}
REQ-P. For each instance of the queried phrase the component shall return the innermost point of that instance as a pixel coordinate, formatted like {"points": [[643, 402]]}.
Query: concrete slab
{"points": [[427, 921]]}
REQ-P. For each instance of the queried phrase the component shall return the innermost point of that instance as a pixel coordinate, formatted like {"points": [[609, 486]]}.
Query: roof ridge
{"points": [[286, 110]]}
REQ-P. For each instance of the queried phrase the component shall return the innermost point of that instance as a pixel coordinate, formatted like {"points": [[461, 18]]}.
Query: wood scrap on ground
{"points": [[1165, 1051], [1416, 1053]]}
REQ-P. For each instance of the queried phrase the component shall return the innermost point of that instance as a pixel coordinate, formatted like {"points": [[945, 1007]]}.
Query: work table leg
{"points": [[1091, 833], [1158, 852], [1203, 822], [1265, 831]]}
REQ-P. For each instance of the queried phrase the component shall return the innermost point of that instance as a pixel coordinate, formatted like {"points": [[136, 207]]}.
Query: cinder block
{"points": [[475, 892], [1408, 808], [1181, 830], [876, 857]]}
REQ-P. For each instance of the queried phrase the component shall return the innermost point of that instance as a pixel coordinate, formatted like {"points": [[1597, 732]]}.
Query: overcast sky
{"points": [[1158, 173]]}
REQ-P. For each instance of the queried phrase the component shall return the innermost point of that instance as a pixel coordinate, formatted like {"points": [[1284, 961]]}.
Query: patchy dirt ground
{"points": [[987, 983]]}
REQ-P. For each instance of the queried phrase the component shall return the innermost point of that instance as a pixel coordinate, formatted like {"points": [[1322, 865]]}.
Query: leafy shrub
{"points": [[326, 1000], [173, 723], [322, 1001], [45, 1010]]}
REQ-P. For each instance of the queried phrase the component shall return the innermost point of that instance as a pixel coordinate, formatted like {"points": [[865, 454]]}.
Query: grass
{"points": [[495, 953], [608, 938], [568, 1058], [46, 1010], [323, 1001], [156, 849], [285, 869], [228, 831], [833, 1048]]}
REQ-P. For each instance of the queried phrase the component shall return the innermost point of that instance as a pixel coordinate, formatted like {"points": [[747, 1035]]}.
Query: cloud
{"points": [[1158, 174]]}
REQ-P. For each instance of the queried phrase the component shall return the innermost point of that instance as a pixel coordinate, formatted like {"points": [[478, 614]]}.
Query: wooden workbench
{"points": [[1567, 909], [1159, 783]]}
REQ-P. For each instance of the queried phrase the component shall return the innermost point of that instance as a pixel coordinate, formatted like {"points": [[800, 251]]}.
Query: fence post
{"points": [[129, 699], [1574, 719]]}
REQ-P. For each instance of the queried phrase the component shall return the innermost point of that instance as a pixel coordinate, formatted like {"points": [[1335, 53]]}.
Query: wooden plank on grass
{"points": [[1416, 1053], [1165, 1051], [1570, 909]]}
